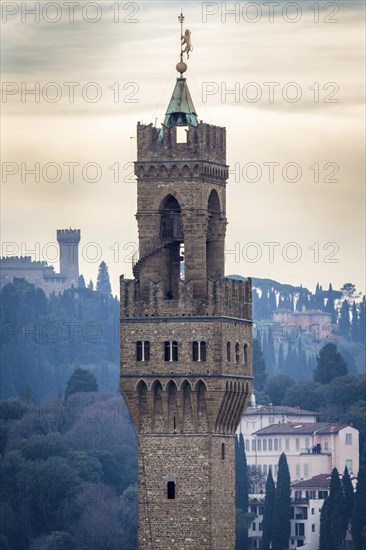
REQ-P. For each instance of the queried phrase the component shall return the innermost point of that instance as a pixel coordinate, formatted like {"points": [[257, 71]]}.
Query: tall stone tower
{"points": [[68, 240], [186, 335]]}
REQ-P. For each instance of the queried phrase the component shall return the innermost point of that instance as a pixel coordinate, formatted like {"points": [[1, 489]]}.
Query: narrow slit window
{"points": [[245, 354], [236, 353], [223, 451], [228, 351], [170, 490]]}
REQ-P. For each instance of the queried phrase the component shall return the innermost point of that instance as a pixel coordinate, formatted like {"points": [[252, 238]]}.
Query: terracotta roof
{"points": [[317, 482], [301, 428], [279, 410]]}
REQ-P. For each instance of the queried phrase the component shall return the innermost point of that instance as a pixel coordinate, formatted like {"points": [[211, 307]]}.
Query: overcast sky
{"points": [[296, 154]]}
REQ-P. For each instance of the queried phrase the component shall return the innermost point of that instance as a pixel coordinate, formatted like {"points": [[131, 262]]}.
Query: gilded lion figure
{"points": [[186, 40]]}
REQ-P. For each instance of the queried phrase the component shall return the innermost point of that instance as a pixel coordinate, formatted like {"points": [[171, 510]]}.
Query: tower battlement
{"points": [[204, 142], [225, 297], [68, 236]]}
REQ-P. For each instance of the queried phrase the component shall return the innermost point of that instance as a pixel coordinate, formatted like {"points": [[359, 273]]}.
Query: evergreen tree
{"points": [[302, 363], [358, 523], [270, 358], [354, 324], [272, 302], [103, 281], [362, 322], [82, 281], [281, 359], [330, 364], [337, 511], [81, 380], [241, 491], [325, 542], [344, 324], [259, 366], [329, 308], [348, 494], [282, 507], [268, 511], [91, 285]]}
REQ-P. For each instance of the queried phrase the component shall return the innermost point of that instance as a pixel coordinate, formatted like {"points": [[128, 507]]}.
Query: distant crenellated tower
{"points": [[186, 335], [68, 240]]}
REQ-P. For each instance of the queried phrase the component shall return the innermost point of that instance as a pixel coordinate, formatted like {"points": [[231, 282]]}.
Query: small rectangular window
{"points": [[348, 439], [270, 444], [259, 445], [264, 444], [297, 444], [170, 490], [265, 469], [313, 527], [287, 444], [297, 469], [306, 470], [253, 445], [276, 444]]}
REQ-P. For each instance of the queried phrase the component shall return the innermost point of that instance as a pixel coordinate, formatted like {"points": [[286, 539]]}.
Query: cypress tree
{"points": [[325, 542], [259, 366], [354, 324], [241, 491], [358, 522], [344, 322], [103, 281], [282, 507], [348, 494], [329, 308], [272, 302], [337, 512], [362, 322], [268, 512], [281, 359]]}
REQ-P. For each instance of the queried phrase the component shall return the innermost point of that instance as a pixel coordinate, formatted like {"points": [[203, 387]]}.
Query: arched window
{"points": [[228, 351], [170, 350], [199, 351], [237, 353], [143, 350], [170, 490], [245, 354], [222, 451]]}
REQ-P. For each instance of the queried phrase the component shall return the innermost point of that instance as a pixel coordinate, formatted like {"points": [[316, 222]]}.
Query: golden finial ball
{"points": [[181, 67]]}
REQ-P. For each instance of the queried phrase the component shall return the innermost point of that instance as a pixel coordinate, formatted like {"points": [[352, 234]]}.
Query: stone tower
{"points": [[68, 240], [186, 335]]}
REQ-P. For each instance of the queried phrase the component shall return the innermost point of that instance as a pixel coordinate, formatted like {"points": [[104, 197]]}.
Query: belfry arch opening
{"points": [[214, 241], [171, 235]]}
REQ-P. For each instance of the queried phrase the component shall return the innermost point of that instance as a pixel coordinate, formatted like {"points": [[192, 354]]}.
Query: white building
{"points": [[261, 416], [307, 501], [311, 448]]}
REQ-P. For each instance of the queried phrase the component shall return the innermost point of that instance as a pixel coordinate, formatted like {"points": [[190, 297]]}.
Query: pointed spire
{"points": [[181, 111]]}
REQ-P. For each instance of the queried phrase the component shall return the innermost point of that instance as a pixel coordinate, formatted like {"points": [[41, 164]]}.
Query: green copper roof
{"points": [[181, 110]]}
